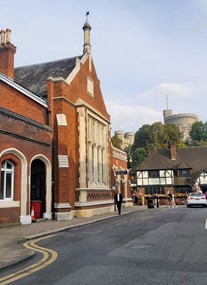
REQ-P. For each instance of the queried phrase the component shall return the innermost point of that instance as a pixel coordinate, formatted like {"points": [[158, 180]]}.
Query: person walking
{"points": [[169, 199], [118, 200], [173, 200]]}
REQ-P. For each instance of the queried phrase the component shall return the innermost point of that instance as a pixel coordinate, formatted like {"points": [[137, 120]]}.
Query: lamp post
{"points": [[129, 162]]}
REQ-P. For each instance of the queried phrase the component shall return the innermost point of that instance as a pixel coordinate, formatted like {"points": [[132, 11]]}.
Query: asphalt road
{"points": [[165, 246]]}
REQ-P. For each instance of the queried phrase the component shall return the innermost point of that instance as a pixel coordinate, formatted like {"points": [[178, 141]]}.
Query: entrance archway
{"points": [[38, 185]]}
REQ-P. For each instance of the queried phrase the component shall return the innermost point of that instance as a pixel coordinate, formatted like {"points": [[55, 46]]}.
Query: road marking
{"points": [[49, 256], [206, 224]]}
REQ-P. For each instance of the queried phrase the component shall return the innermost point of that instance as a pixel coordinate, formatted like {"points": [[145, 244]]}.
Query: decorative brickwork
{"points": [[93, 196]]}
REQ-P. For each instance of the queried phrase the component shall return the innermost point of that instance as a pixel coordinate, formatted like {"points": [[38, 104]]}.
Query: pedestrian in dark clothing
{"points": [[118, 201]]}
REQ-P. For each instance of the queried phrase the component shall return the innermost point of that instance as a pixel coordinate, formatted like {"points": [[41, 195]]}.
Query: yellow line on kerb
{"points": [[49, 256]]}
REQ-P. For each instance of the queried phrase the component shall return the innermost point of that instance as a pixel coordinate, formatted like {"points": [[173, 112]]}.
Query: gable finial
{"points": [[87, 28]]}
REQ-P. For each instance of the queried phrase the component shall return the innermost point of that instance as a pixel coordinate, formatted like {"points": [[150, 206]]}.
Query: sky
{"points": [[149, 55]]}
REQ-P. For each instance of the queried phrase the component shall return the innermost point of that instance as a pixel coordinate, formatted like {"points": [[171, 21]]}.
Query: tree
{"points": [[142, 137], [173, 134], [116, 142], [138, 156], [156, 136], [198, 132]]}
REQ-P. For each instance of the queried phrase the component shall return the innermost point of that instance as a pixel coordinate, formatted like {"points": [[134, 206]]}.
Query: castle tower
{"points": [[182, 121], [129, 138], [126, 138], [167, 113]]}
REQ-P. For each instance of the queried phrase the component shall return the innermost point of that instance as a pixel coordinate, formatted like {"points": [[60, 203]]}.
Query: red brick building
{"points": [[120, 175], [55, 149], [26, 145]]}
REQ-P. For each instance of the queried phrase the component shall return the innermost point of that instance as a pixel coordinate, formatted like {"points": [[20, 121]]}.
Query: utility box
{"points": [[150, 203]]}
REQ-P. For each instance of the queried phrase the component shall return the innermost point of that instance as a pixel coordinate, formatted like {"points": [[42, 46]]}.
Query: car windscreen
{"points": [[196, 194]]}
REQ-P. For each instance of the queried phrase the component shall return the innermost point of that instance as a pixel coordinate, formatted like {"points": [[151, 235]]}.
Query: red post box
{"points": [[37, 208]]}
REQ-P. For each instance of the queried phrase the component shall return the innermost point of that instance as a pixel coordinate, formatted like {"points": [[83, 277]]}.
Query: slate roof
{"points": [[34, 77], [194, 158]]}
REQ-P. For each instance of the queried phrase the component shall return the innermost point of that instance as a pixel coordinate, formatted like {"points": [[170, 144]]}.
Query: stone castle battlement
{"points": [[182, 121], [126, 138]]}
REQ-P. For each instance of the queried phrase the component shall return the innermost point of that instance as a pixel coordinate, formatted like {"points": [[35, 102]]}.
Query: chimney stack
{"points": [[7, 51], [173, 151]]}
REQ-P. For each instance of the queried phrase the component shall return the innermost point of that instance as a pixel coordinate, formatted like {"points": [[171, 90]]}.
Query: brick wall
{"points": [[15, 101], [65, 100], [9, 215]]}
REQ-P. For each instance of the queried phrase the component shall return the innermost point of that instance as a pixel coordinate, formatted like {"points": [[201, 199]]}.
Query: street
{"points": [[156, 246]]}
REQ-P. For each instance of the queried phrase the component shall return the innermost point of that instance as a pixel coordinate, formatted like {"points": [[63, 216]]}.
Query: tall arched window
{"points": [[7, 180], [97, 153]]}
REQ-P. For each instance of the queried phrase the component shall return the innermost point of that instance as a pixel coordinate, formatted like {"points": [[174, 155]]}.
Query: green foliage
{"points": [[173, 134], [142, 137], [156, 136], [138, 156], [116, 142], [198, 132], [181, 144]]}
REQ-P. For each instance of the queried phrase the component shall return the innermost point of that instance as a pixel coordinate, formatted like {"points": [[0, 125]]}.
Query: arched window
{"points": [[7, 180], [97, 153]]}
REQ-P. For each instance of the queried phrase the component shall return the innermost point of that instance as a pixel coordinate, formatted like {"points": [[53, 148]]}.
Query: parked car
{"points": [[195, 199]]}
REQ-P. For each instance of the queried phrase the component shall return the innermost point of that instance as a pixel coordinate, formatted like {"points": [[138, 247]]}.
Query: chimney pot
{"points": [[2, 32], [7, 51], [8, 33]]}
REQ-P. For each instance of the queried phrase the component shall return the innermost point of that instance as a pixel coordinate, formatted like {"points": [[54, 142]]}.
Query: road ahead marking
{"points": [[49, 256]]}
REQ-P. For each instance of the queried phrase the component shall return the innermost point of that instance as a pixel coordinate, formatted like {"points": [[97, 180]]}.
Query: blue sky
{"points": [[144, 50]]}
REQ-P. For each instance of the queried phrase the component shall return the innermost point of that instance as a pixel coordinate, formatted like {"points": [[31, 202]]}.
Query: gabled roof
{"points": [[34, 77], [183, 165], [21, 89], [198, 174], [194, 158]]}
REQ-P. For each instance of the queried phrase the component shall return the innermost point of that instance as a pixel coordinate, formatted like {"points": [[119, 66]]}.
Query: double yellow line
{"points": [[49, 256]]}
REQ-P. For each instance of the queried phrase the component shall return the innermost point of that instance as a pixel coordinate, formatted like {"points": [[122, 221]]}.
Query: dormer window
{"points": [[184, 172], [90, 86]]}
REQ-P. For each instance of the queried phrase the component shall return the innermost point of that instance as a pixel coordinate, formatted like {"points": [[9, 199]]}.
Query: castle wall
{"points": [[182, 121]]}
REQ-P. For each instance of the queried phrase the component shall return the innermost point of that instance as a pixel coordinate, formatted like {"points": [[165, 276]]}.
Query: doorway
{"points": [[38, 185]]}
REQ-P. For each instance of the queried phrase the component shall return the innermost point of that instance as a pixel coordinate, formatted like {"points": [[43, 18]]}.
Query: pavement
{"points": [[13, 237]]}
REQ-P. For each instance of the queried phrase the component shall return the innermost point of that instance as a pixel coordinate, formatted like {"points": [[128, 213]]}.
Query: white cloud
{"points": [[147, 107], [143, 51], [131, 117]]}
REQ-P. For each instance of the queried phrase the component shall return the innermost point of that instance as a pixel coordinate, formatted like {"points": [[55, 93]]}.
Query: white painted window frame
{"points": [[6, 171]]}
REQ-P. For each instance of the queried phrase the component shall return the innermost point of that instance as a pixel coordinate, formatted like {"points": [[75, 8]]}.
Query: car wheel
{"points": [[188, 206]]}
